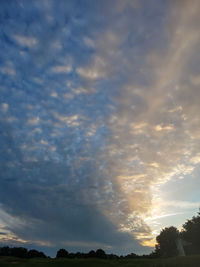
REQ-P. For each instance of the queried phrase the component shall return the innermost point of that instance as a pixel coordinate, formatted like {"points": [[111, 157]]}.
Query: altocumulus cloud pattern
{"points": [[99, 122]]}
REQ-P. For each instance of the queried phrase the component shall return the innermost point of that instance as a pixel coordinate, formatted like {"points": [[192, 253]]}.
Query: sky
{"points": [[99, 122]]}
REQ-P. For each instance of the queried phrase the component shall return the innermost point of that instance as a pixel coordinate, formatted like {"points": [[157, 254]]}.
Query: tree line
{"points": [[99, 253], [166, 245], [21, 252]]}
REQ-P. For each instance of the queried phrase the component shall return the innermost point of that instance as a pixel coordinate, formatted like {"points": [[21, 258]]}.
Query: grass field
{"points": [[189, 261]]}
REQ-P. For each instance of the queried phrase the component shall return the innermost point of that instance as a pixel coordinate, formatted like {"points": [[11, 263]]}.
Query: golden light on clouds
{"points": [[149, 141]]}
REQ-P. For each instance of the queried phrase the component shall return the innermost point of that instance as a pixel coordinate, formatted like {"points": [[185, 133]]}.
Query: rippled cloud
{"points": [[99, 121]]}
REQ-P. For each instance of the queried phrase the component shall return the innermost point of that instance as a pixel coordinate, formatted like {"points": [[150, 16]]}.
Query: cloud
{"points": [[8, 69], [146, 133], [69, 120], [61, 69], [33, 121], [70, 218], [95, 71], [93, 149], [4, 107], [181, 204], [28, 41], [163, 128]]}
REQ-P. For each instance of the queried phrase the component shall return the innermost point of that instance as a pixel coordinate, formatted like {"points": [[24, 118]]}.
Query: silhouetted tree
{"points": [[18, 252], [92, 254], [35, 254], [112, 256], [5, 251], [80, 255], [71, 255], [131, 256], [156, 253], [100, 253], [62, 253], [191, 233], [167, 242]]}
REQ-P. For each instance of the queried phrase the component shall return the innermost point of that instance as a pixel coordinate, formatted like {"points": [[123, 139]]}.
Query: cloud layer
{"points": [[99, 121]]}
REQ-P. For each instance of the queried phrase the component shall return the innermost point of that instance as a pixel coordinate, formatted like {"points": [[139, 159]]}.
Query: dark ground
{"points": [[189, 261]]}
